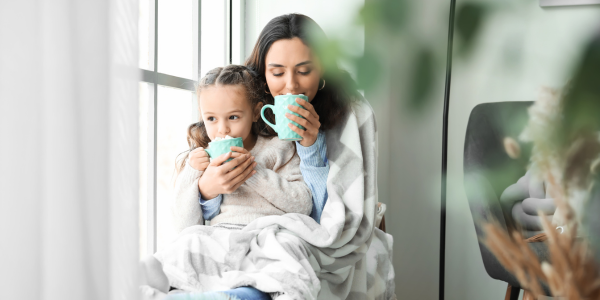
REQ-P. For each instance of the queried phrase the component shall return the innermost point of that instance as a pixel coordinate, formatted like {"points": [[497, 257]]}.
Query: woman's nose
{"points": [[292, 83]]}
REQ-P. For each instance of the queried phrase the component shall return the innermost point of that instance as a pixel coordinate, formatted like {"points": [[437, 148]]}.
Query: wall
{"points": [[410, 149], [522, 47], [343, 25]]}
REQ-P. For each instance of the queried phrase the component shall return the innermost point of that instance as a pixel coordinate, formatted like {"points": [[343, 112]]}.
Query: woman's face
{"points": [[292, 68]]}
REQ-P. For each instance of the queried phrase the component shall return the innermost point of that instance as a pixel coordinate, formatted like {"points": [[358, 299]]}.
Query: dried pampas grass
{"points": [[566, 161], [572, 273], [512, 148]]}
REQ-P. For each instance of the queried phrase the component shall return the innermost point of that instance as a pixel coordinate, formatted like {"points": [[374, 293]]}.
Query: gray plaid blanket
{"points": [[291, 256]]}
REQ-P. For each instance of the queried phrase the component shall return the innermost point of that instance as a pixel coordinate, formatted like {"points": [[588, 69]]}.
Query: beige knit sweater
{"points": [[277, 188]]}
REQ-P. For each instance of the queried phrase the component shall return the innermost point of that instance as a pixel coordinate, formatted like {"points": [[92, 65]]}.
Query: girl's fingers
{"points": [[197, 149], [198, 152]]}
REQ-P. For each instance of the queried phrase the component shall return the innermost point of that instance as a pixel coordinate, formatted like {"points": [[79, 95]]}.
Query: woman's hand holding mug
{"points": [[225, 178], [310, 122]]}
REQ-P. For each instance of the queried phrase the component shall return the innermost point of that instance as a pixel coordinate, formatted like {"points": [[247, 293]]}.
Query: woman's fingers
{"points": [[309, 107], [220, 159], [296, 129], [309, 121], [247, 174], [230, 165], [298, 120], [240, 177], [239, 150], [299, 110], [248, 163]]}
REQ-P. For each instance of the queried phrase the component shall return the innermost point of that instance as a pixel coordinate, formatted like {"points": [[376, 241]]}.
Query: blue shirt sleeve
{"points": [[211, 208], [315, 169]]}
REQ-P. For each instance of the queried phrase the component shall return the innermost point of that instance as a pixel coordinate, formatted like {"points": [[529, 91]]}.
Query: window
{"points": [[173, 52]]}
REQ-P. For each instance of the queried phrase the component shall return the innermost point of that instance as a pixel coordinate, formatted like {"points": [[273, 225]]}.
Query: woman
{"points": [[285, 59]]}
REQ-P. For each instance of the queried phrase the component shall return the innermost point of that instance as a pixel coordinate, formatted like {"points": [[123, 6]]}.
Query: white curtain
{"points": [[68, 149]]}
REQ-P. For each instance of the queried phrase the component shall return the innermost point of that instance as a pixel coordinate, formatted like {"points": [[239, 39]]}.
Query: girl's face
{"points": [[226, 110], [292, 68]]}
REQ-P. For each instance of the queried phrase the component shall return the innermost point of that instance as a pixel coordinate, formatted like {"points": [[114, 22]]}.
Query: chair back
{"points": [[488, 170]]}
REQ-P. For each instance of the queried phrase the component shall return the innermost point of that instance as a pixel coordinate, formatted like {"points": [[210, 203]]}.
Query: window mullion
{"points": [[237, 31], [152, 216]]}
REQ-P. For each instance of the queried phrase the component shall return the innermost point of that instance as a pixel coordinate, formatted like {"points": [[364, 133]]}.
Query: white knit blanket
{"points": [[291, 256]]}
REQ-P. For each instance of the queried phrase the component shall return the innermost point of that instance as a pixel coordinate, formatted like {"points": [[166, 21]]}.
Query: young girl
{"points": [[230, 104], [263, 179]]}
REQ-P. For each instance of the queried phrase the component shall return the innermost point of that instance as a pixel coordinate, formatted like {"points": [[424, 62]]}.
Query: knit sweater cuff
{"points": [[189, 175], [311, 155]]}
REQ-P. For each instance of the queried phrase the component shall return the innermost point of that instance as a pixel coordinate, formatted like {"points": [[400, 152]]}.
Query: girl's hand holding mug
{"points": [[225, 178], [199, 159], [310, 122]]}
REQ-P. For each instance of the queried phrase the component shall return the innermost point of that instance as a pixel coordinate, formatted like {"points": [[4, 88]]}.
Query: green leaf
{"points": [[469, 20], [582, 103], [423, 76], [369, 69], [389, 15]]}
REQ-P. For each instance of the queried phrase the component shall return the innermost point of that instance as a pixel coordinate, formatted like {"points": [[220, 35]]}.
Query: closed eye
{"points": [[278, 74], [305, 73]]}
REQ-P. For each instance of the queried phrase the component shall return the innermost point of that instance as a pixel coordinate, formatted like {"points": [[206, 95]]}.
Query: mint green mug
{"points": [[284, 132], [220, 147]]}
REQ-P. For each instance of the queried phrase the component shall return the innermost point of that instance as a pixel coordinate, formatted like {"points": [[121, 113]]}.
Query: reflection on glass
{"points": [[146, 35], [176, 38], [214, 33], [175, 114]]}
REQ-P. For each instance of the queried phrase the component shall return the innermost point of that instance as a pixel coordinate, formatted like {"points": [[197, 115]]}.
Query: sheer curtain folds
{"points": [[68, 149]]}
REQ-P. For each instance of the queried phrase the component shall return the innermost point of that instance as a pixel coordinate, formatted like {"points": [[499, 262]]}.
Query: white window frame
{"points": [[235, 53]]}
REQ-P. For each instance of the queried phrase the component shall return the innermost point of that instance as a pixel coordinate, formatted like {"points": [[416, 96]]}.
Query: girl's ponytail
{"points": [[196, 137]]}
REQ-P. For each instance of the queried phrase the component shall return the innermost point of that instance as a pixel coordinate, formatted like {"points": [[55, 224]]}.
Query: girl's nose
{"points": [[223, 128]]}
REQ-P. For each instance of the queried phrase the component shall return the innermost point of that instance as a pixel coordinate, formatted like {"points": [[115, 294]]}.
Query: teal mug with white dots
{"points": [[284, 132]]}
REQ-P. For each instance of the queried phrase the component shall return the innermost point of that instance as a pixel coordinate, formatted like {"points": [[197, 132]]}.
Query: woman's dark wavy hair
{"points": [[332, 102], [229, 75]]}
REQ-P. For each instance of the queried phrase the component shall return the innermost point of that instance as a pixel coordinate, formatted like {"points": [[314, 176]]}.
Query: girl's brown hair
{"points": [[230, 75], [333, 101]]}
